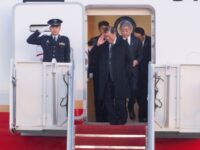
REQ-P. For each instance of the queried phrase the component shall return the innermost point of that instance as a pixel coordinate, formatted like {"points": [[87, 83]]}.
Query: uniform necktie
{"points": [[54, 38]]}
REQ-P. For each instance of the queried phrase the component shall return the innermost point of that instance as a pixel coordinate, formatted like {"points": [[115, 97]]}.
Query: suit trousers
{"points": [[142, 96], [116, 107], [133, 84], [100, 108]]}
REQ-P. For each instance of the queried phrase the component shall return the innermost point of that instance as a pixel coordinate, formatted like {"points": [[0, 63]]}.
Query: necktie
{"points": [[110, 63], [127, 41], [54, 38], [110, 52]]}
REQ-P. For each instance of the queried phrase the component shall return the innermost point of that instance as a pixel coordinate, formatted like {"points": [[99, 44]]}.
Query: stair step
{"points": [[111, 135], [111, 129], [109, 148], [102, 141]]}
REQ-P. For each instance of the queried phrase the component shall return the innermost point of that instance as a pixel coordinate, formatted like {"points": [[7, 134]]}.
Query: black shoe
{"points": [[114, 122], [120, 122], [143, 119], [132, 115]]}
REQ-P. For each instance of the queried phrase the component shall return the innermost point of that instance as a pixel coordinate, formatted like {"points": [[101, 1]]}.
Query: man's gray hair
{"points": [[126, 23]]}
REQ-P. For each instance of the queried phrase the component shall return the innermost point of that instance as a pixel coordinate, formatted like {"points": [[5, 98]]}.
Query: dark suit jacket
{"points": [[136, 53], [120, 60], [59, 49], [146, 54], [92, 57], [136, 49]]}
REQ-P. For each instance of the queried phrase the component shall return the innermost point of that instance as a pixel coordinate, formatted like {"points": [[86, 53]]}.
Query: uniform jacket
{"points": [[59, 49]]}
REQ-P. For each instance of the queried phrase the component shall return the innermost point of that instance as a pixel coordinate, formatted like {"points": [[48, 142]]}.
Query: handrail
{"points": [[151, 132], [70, 117], [54, 94]]}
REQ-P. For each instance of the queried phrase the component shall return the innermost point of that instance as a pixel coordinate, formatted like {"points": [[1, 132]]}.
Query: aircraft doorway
{"points": [[141, 16]]}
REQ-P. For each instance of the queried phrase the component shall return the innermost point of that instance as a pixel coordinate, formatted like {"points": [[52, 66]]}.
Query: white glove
{"points": [[43, 29], [90, 75]]}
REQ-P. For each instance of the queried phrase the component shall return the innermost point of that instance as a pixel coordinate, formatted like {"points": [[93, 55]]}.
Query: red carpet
{"points": [[101, 136], [9, 141], [17, 142], [108, 129], [178, 144]]}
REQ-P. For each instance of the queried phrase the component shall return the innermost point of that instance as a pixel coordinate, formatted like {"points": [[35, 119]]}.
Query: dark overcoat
{"points": [[146, 54], [120, 62]]}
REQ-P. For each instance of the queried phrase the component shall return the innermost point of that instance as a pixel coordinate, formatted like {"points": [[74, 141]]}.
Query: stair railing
{"points": [[150, 128], [70, 113]]}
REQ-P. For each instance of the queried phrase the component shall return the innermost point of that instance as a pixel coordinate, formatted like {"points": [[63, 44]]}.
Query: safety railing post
{"points": [[70, 123], [151, 132]]}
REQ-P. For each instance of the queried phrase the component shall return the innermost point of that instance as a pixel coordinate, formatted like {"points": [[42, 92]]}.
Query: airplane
{"points": [[173, 86]]}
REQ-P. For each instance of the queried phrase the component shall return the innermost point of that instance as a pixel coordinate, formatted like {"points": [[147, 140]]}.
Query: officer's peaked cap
{"points": [[54, 22]]}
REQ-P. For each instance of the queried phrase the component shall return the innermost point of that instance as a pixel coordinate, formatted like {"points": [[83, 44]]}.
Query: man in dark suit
{"points": [[102, 25], [135, 45], [143, 72], [54, 45], [114, 59], [100, 110]]}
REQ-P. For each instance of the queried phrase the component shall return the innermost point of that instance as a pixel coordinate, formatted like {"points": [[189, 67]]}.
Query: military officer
{"points": [[54, 45]]}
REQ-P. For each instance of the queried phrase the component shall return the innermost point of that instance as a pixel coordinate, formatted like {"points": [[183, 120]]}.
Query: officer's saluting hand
{"points": [[54, 45]]}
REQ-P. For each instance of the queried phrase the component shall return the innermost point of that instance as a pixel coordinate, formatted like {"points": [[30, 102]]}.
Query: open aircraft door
{"points": [[39, 90]]}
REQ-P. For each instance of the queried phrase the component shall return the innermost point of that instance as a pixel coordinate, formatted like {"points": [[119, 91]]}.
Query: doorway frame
{"points": [[126, 10]]}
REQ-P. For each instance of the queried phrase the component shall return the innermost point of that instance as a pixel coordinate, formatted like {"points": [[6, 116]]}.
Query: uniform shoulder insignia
{"points": [[64, 37]]}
